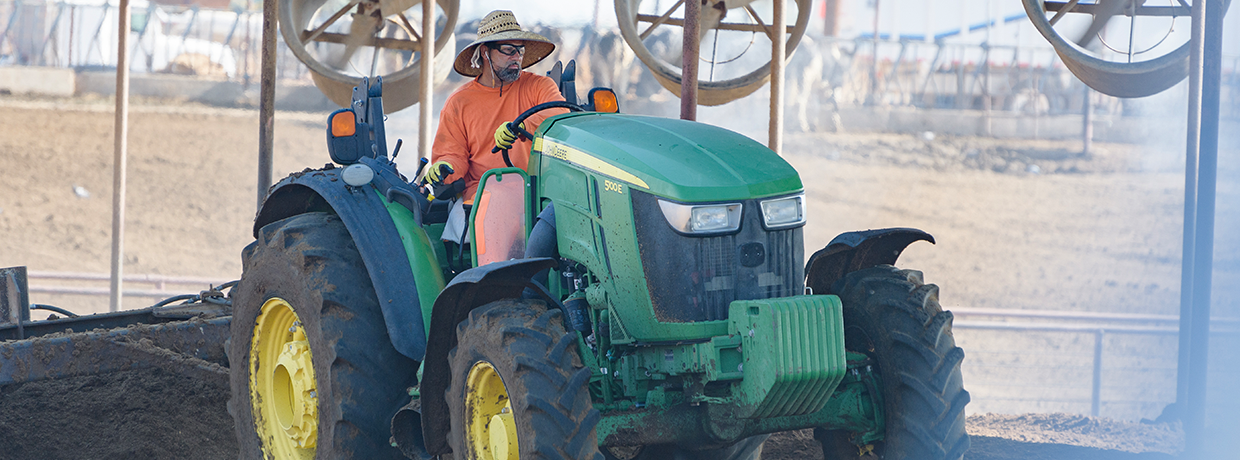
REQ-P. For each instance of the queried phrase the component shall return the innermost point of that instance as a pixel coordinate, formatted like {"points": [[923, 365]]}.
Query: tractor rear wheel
{"points": [[519, 388], [314, 374], [894, 317]]}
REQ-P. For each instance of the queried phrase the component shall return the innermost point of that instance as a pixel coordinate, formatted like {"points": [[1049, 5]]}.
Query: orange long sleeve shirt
{"points": [[470, 116]]}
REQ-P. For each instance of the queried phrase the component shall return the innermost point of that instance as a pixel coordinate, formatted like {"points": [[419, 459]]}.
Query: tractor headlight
{"points": [[784, 212], [703, 218]]}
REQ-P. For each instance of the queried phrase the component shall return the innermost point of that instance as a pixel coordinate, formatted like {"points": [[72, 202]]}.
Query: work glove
{"points": [[439, 171], [504, 137]]}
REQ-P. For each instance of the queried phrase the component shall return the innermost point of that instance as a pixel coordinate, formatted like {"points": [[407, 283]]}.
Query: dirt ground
{"points": [[1019, 224]]}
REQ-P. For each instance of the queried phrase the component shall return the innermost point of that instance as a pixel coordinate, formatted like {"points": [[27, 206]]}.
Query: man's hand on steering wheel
{"points": [[509, 136], [505, 136]]}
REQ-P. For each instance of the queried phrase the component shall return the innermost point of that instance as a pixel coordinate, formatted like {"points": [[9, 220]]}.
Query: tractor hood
{"points": [[682, 160]]}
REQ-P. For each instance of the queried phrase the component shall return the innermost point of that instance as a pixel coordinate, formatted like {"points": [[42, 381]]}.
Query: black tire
{"points": [[310, 262], [537, 359], [896, 319]]}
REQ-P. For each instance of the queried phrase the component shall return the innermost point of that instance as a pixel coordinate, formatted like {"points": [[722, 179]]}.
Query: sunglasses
{"points": [[508, 50]]}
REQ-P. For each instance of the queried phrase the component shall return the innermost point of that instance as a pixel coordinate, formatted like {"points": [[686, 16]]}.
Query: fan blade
{"points": [[712, 14], [361, 33], [1105, 11], [391, 7], [303, 11]]}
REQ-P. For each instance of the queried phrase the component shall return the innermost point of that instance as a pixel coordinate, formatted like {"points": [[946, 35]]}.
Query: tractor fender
{"points": [[374, 233], [852, 251], [471, 289]]}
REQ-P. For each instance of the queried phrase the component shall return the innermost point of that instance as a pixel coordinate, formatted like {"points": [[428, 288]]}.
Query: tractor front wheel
{"points": [[892, 316], [314, 374], [519, 389]]}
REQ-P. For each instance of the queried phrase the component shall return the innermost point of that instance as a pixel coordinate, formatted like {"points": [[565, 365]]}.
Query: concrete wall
{"points": [[49, 81], [62, 82], [203, 90]]}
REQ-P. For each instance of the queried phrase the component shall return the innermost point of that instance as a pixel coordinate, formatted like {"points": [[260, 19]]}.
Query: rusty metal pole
{"points": [[689, 61], [779, 46], [831, 22], [267, 100], [119, 153], [426, 91]]}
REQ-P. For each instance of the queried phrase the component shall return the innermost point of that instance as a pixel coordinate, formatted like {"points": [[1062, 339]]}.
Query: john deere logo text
{"points": [[556, 151]]}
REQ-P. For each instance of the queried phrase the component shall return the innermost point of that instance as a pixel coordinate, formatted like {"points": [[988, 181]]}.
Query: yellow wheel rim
{"points": [[283, 395], [490, 428]]}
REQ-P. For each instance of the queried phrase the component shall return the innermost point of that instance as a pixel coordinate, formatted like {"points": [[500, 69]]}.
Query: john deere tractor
{"points": [[639, 291]]}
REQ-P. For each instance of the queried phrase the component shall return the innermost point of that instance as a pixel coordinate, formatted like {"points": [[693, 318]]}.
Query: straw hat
{"points": [[500, 26]]}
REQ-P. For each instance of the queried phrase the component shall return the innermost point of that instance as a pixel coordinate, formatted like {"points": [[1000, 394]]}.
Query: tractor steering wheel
{"points": [[515, 124]]}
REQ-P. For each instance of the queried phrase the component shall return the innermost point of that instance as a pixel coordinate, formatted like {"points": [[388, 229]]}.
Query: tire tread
{"points": [[893, 313]]}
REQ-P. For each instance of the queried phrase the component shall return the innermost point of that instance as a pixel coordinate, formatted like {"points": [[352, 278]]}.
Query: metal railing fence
{"points": [[95, 284], [1102, 364], [1030, 80]]}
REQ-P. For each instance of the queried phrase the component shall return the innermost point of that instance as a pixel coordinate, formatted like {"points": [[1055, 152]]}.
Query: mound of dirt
{"points": [[148, 413], [1080, 430], [1030, 437]]}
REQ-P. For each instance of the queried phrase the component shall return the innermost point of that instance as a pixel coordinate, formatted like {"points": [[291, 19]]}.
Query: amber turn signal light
{"points": [[344, 123], [604, 100]]}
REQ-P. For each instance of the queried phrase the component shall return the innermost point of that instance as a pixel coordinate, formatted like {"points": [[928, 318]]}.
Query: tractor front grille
{"points": [[696, 278]]}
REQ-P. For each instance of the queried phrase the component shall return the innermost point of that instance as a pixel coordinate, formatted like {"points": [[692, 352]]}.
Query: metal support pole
{"points": [[267, 100], [986, 87], [1196, 39], [779, 47], [1037, 112], [1203, 243], [249, 46], [990, 22], [872, 98], [689, 61], [426, 91], [119, 153], [1087, 123], [831, 20], [1096, 398]]}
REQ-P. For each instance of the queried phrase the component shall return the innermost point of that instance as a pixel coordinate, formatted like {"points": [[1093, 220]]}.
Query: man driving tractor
{"points": [[475, 117]]}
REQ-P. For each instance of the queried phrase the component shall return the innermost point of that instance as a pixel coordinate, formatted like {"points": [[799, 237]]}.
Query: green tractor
{"points": [[639, 291]]}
